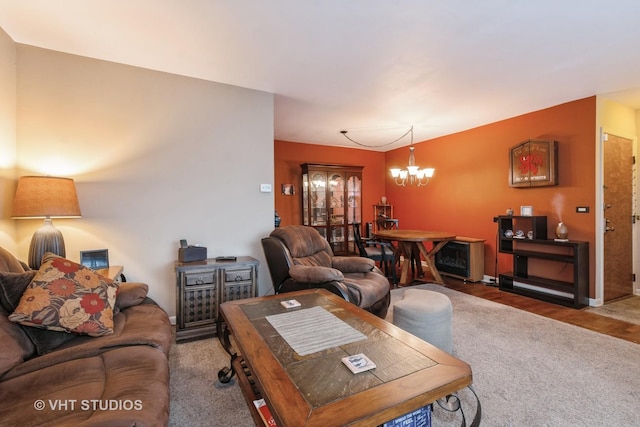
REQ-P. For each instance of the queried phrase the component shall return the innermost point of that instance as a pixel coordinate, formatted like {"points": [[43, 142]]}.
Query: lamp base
{"points": [[46, 239]]}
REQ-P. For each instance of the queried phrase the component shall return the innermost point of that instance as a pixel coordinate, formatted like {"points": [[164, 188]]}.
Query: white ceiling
{"points": [[372, 67]]}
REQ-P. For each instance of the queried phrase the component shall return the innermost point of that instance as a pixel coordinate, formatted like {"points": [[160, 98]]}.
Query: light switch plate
{"points": [[265, 188]]}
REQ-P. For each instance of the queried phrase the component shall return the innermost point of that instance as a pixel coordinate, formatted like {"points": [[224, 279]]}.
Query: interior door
{"points": [[618, 216]]}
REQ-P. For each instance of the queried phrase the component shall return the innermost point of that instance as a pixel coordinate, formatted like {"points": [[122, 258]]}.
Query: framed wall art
{"points": [[287, 189], [533, 164]]}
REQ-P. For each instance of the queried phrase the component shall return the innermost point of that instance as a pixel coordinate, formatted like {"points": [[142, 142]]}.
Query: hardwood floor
{"points": [[579, 317]]}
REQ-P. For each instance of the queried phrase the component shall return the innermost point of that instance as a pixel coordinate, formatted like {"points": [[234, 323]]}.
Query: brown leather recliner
{"points": [[300, 258]]}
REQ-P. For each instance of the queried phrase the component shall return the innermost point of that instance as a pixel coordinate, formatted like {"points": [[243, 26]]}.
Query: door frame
{"points": [[599, 215]]}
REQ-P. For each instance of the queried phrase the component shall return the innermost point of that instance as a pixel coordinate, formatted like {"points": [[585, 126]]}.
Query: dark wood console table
{"points": [[537, 261], [317, 389], [572, 291]]}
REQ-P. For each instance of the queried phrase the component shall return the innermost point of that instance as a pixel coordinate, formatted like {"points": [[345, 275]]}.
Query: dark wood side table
{"points": [[202, 285]]}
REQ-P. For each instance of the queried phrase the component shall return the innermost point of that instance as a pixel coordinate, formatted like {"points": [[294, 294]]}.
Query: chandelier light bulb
{"points": [[413, 170]]}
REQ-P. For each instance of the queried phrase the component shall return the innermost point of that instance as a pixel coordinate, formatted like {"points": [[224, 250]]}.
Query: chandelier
{"points": [[412, 175]]}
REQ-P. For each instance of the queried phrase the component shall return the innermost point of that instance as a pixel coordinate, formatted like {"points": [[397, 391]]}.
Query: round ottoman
{"points": [[427, 315]]}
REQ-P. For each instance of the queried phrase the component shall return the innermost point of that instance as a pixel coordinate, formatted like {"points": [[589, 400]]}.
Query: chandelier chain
{"points": [[410, 131]]}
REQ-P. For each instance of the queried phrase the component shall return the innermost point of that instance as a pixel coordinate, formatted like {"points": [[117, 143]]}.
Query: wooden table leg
{"points": [[405, 250], [429, 259], [415, 260]]}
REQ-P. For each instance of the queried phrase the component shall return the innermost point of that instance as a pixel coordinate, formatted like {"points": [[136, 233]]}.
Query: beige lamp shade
{"points": [[46, 196]]}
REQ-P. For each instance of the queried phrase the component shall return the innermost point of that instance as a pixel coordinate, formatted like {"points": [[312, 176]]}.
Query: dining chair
{"points": [[378, 251], [385, 223]]}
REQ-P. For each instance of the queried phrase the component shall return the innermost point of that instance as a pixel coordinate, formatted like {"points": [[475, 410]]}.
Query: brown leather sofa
{"points": [[64, 379], [300, 258]]}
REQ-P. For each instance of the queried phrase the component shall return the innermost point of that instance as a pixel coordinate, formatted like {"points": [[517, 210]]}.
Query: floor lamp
{"points": [[45, 197]]}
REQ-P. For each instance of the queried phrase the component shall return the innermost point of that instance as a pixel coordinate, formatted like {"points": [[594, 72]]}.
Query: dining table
{"points": [[411, 244]]}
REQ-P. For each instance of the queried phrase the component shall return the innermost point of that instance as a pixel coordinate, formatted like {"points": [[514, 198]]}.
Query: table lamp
{"points": [[45, 197]]}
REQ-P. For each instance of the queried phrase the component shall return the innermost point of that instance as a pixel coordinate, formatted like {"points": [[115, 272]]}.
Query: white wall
{"points": [[156, 158], [7, 139]]}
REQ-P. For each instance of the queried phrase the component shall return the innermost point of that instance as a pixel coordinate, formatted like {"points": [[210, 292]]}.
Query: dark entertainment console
{"points": [[546, 269]]}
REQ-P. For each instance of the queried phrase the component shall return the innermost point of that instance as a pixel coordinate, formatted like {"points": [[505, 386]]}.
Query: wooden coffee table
{"points": [[317, 389]]}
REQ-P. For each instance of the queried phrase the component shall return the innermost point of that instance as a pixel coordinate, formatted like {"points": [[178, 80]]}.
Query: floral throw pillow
{"points": [[66, 296]]}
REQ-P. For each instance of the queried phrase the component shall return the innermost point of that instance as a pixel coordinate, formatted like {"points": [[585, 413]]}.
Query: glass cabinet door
{"points": [[336, 213], [336, 239], [318, 196], [336, 195], [354, 203], [305, 199], [331, 203], [354, 196]]}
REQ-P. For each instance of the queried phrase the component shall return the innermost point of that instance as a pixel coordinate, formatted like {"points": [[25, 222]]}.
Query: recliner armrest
{"points": [[315, 274], [352, 264]]}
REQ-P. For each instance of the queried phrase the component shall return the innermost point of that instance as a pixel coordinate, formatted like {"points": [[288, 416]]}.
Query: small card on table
{"points": [[358, 363], [290, 303]]}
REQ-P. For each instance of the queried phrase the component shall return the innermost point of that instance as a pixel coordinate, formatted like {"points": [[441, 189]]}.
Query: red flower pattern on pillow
{"points": [[64, 265], [63, 287], [92, 303]]}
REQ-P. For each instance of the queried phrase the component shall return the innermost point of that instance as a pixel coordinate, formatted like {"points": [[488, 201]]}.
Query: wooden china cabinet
{"points": [[332, 202]]}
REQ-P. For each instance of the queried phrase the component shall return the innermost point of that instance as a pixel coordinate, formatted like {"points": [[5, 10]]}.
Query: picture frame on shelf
{"points": [[526, 210], [95, 259]]}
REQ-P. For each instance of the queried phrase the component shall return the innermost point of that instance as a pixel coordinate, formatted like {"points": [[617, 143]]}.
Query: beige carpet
{"points": [[627, 309], [528, 371]]}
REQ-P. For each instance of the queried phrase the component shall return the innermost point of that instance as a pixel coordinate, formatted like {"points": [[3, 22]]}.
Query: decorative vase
{"points": [[562, 231], [277, 218], [383, 200]]}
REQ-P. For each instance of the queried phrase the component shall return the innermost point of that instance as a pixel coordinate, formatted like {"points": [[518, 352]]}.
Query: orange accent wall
{"points": [[290, 155], [471, 185]]}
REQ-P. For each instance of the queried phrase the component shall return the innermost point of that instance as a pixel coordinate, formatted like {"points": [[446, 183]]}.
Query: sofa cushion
{"points": [[303, 241], [16, 345], [306, 274], [319, 259], [146, 324], [68, 297], [9, 263], [366, 288], [130, 294], [353, 264], [120, 387], [12, 286]]}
